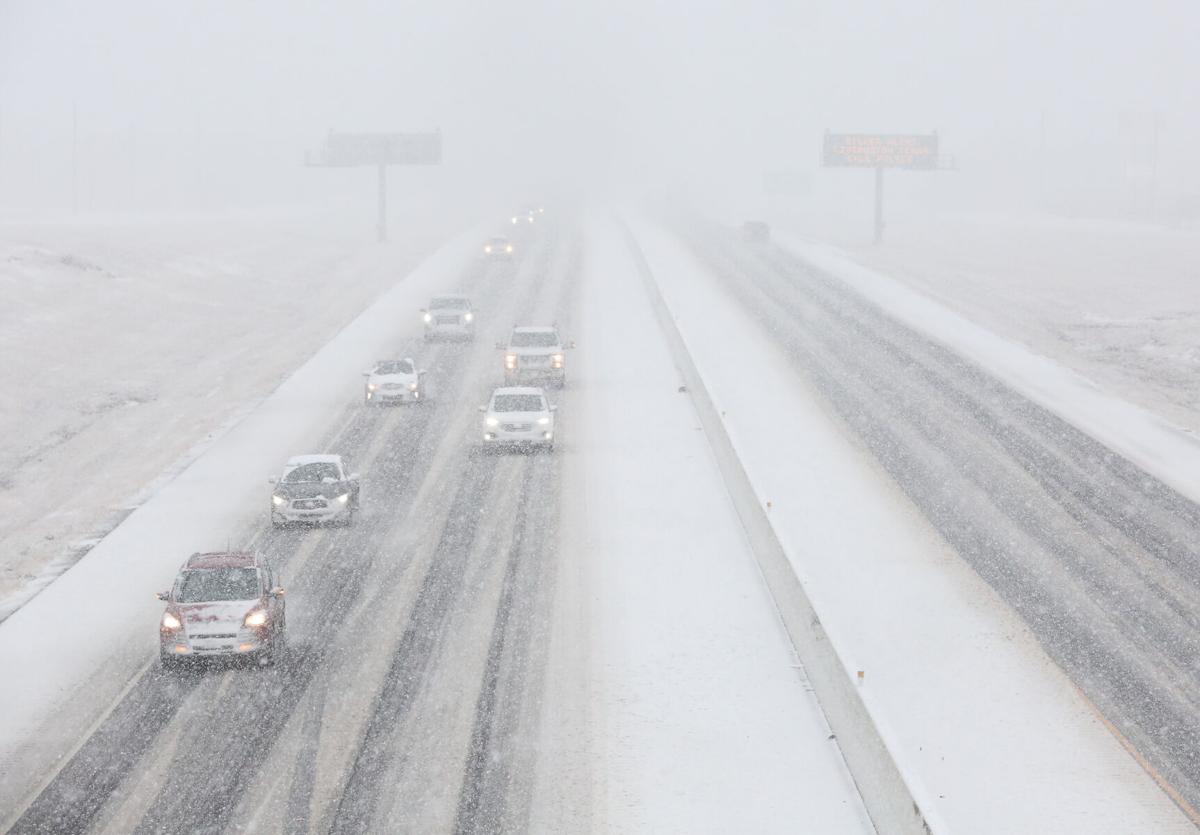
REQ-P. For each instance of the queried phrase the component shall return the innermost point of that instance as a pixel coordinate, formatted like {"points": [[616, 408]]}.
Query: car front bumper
{"points": [[333, 511], [401, 395], [214, 640]]}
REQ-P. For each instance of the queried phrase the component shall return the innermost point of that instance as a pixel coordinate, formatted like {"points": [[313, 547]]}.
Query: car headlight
{"points": [[508, 248], [345, 497], [487, 249], [412, 386], [469, 317], [491, 421], [372, 386], [543, 421], [278, 500], [428, 317], [558, 358], [514, 220], [169, 621], [256, 618], [510, 360]]}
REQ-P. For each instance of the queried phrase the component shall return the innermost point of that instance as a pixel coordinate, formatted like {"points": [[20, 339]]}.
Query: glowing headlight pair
{"points": [[256, 618], [169, 621]]}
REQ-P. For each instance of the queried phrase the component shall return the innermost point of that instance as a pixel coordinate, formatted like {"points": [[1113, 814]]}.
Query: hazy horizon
{"points": [[213, 105]]}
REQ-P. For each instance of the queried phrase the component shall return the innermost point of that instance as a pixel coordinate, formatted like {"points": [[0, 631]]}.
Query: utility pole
{"points": [[382, 203], [74, 158], [878, 204]]}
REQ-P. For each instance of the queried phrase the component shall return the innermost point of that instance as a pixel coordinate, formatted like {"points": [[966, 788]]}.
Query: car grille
{"points": [[517, 427], [393, 386], [447, 320], [213, 636], [309, 504]]}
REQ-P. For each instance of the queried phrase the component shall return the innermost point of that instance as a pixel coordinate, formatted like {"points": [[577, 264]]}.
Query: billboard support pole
{"points": [[382, 203], [878, 204]]}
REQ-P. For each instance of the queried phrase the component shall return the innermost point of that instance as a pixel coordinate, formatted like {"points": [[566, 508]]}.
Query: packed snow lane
{"points": [[1091, 552], [414, 649]]}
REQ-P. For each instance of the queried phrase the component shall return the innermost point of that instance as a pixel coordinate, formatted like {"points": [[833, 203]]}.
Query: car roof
{"points": [[395, 359], [499, 237], [301, 460], [535, 329], [453, 297], [519, 390], [223, 559]]}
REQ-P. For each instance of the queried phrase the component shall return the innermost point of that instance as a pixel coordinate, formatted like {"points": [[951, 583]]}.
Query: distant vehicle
{"points": [[518, 417], [524, 216], [223, 604], [498, 248], [394, 381], [756, 232], [314, 489], [535, 353], [449, 316]]}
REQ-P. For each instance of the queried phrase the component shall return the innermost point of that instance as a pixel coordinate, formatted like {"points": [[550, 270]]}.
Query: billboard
{"points": [[350, 149], [868, 150]]}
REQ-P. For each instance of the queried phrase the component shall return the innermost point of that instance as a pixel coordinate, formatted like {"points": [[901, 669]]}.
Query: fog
{"points": [[1072, 106]]}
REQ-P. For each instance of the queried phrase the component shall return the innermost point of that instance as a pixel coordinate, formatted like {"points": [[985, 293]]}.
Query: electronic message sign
{"points": [[865, 150]]}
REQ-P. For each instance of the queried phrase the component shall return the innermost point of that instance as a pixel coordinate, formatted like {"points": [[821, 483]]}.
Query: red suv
{"points": [[223, 604]]}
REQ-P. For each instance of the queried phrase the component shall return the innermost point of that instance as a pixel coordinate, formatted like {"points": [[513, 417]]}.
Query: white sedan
{"points": [[394, 381], [518, 417]]}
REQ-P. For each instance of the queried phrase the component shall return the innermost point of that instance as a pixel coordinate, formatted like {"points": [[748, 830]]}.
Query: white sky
{"points": [[204, 98]]}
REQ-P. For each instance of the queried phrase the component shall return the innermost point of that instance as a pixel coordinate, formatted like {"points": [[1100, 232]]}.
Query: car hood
{"points": [[220, 611], [380, 379], [310, 490], [518, 417]]}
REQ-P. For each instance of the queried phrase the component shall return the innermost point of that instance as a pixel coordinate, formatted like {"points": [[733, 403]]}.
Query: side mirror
{"points": [[276, 592], [500, 346], [421, 372], [352, 477], [366, 373], [483, 408], [273, 480], [571, 344], [554, 407], [163, 595]]}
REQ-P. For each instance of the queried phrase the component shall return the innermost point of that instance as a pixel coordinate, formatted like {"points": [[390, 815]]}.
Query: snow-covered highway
{"points": [[582, 641]]}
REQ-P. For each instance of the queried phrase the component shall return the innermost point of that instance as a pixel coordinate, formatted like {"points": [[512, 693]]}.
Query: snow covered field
{"points": [[1117, 301], [131, 342]]}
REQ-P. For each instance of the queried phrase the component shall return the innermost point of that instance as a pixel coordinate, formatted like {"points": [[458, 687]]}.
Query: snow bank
{"points": [[702, 723], [967, 703], [1160, 448]]}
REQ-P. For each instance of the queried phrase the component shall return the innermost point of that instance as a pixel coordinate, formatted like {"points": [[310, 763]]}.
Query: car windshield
{"points": [[535, 339], [316, 472], [498, 241], [203, 585], [517, 403], [447, 303], [395, 367]]}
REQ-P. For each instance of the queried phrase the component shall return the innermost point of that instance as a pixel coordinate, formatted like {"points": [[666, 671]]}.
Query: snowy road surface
{"points": [[432, 682]]}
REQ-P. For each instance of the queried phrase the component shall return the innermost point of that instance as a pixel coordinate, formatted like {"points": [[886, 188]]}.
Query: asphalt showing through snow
{"points": [[1099, 558], [315, 743]]}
